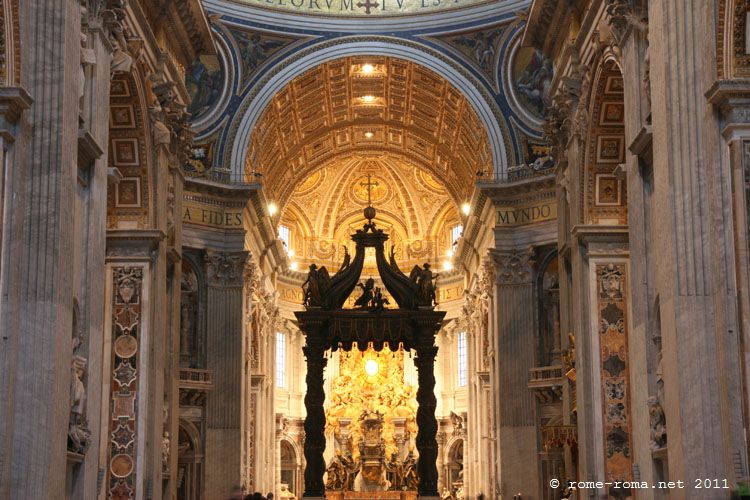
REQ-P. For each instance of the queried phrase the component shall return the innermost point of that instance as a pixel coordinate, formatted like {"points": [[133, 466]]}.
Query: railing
{"points": [[517, 173], [545, 376], [225, 176], [192, 378]]}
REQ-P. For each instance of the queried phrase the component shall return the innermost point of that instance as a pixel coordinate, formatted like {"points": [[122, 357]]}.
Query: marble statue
{"points": [[165, 447], [410, 476], [285, 494], [337, 473], [658, 424], [79, 436]]}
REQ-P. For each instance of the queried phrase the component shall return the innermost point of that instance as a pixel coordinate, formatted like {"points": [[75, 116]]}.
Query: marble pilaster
{"points": [[516, 315], [225, 358]]}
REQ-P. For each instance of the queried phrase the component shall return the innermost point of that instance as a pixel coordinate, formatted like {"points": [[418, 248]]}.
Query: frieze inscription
{"points": [[520, 216], [374, 8]]}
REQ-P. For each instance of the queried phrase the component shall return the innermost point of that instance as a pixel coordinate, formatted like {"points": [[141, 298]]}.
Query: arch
{"points": [[131, 201], [10, 35], [189, 460], [732, 60], [192, 332], [192, 432], [261, 94], [485, 13], [603, 190], [548, 307], [454, 461], [291, 464]]}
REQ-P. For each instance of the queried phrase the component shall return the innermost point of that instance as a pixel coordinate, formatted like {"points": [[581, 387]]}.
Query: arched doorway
{"points": [[189, 463], [290, 467], [454, 468]]}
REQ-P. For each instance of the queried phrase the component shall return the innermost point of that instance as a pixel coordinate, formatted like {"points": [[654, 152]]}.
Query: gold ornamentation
{"points": [[355, 391]]}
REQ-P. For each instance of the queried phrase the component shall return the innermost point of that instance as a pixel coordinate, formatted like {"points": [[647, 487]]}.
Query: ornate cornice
{"points": [[732, 99], [133, 245], [13, 101]]}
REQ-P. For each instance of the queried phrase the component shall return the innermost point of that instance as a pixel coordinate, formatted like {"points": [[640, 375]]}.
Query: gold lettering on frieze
{"points": [[450, 293], [364, 8], [532, 214], [290, 294], [217, 216]]}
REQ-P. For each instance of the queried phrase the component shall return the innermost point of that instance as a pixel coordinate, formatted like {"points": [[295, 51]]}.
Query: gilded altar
{"points": [[372, 382], [371, 495]]}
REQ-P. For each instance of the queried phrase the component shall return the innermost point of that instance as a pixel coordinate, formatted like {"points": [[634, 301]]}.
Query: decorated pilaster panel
{"points": [[126, 301], [612, 335]]}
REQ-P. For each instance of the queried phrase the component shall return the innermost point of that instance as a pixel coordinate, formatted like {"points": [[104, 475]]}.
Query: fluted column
{"points": [[515, 357], [315, 421], [35, 331], [695, 271], [224, 358]]}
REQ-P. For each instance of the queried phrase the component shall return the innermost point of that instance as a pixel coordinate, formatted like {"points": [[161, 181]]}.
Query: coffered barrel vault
{"points": [[397, 107]]}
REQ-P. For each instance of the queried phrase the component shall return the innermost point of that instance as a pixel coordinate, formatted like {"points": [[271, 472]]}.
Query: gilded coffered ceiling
{"points": [[368, 106], [413, 207]]}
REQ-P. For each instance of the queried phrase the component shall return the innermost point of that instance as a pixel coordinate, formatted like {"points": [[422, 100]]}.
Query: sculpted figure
{"points": [[165, 446], [378, 301], [424, 280], [315, 286], [367, 293], [336, 473], [658, 424], [394, 472], [79, 436], [409, 468]]}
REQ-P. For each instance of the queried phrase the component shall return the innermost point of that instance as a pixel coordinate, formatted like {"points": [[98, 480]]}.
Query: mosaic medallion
{"points": [[126, 346], [121, 465]]}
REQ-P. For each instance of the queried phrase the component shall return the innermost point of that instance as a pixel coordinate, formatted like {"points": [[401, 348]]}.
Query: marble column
{"points": [[516, 314], [427, 423], [37, 329], [224, 355], [315, 420]]}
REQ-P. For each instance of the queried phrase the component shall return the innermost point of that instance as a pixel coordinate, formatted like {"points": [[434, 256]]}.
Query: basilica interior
{"points": [[379, 249]]}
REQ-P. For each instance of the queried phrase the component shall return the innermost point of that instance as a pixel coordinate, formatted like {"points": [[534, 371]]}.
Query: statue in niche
{"points": [[425, 282], [79, 436], [367, 293], [165, 447], [569, 358], [658, 424]]}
